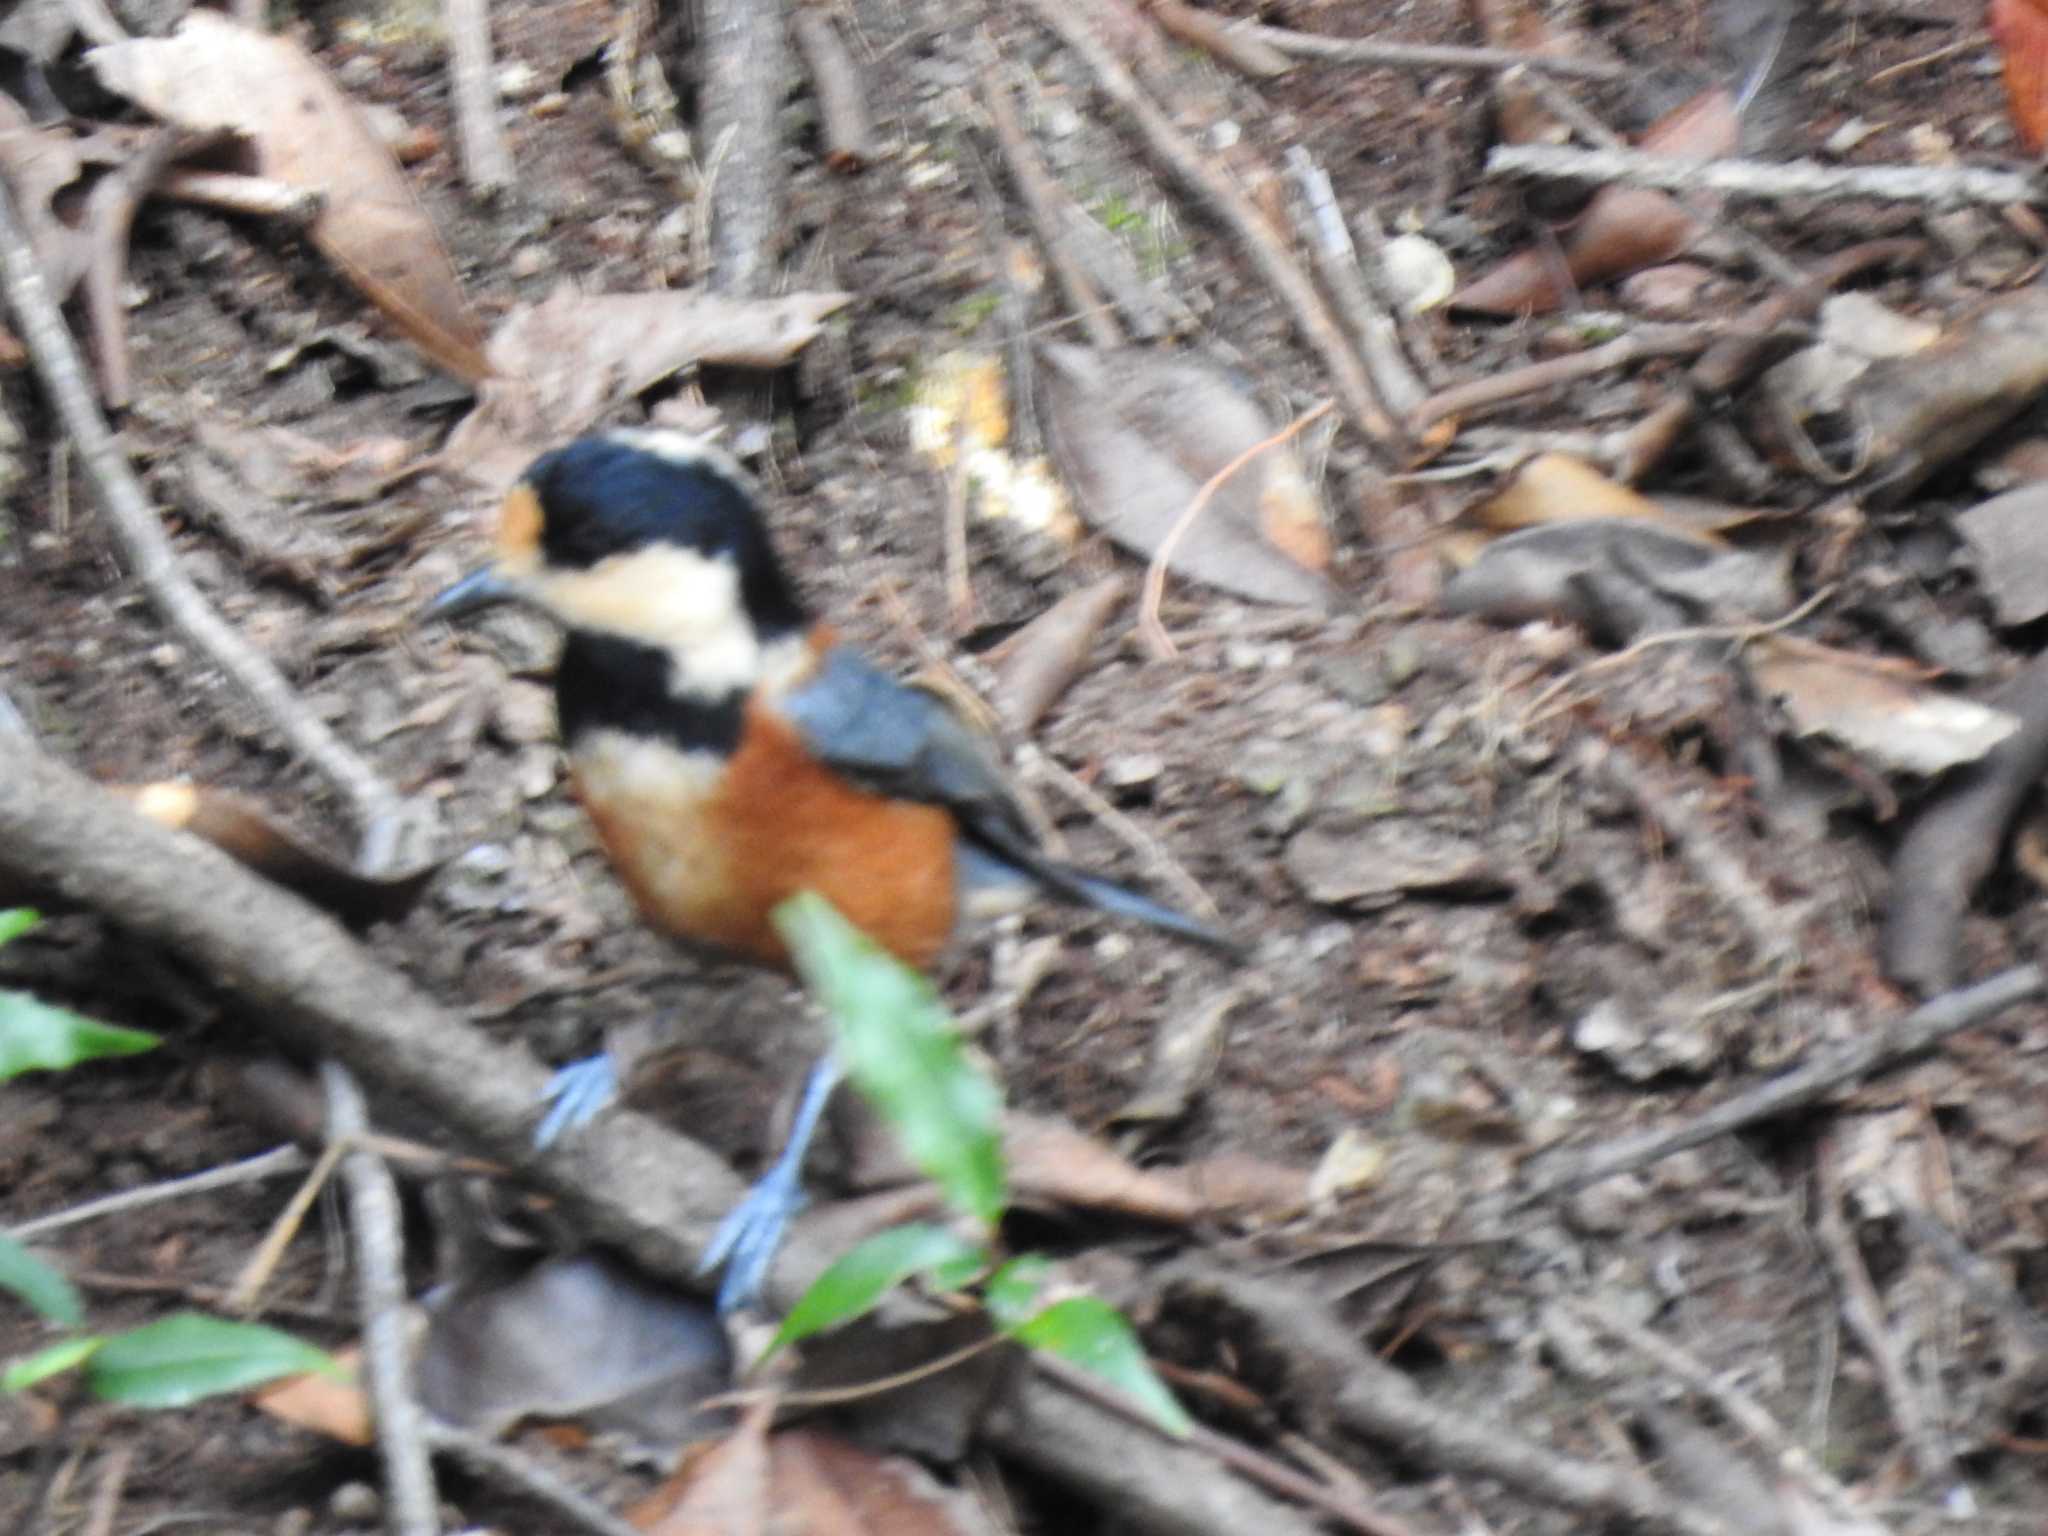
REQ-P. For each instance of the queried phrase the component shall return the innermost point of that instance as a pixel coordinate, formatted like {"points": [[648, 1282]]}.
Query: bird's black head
{"points": [[648, 536]]}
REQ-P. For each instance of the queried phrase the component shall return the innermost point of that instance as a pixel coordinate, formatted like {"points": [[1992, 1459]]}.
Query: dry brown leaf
{"points": [[566, 361], [824, 1486], [1623, 228], [721, 1490], [1557, 488], [1052, 1163], [244, 829], [305, 131], [1880, 708], [39, 162], [1139, 433], [338, 1409], [2021, 27]]}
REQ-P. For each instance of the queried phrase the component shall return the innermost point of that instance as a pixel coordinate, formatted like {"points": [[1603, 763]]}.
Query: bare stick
{"points": [[1227, 201], [274, 1164], [1155, 574], [111, 211], [746, 67], [1820, 1077], [1366, 50], [1320, 222], [848, 136], [235, 193], [412, 1509], [1554, 371], [147, 552], [486, 163], [1044, 200], [1863, 1311], [1240, 48], [1943, 186], [522, 1475]]}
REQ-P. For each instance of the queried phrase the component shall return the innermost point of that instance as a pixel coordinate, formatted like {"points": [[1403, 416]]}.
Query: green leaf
{"points": [[45, 1363], [36, 1283], [39, 1036], [899, 1046], [182, 1358], [1011, 1294], [864, 1275], [1088, 1332], [15, 921]]}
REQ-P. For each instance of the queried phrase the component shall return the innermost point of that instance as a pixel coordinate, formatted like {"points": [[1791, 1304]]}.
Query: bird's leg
{"points": [[747, 1240]]}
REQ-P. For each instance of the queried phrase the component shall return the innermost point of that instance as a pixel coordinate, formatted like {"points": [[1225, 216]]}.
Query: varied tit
{"points": [[731, 752]]}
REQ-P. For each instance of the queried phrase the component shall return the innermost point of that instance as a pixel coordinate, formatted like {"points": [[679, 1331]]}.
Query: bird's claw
{"points": [[575, 1096], [747, 1240]]}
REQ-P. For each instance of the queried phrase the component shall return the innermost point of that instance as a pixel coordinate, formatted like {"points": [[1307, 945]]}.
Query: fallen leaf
{"points": [[2021, 28], [326, 1405], [242, 828], [1139, 433], [1622, 229], [721, 1490], [563, 363], [1880, 708], [305, 131], [575, 1337], [2008, 541], [1557, 488], [1051, 1163]]}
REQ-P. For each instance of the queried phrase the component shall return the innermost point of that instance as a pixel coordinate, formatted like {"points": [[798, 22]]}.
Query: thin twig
{"points": [[275, 1163], [506, 1467], [1227, 200], [1944, 186], [844, 127], [107, 1491], [411, 1505], [1043, 201], [148, 555], [261, 1264], [486, 163], [1154, 590], [235, 193], [1863, 1311], [1494, 389], [1818, 1078], [1368, 50], [110, 211], [1163, 865]]}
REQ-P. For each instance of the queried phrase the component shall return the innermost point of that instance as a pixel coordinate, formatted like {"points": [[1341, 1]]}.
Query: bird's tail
{"points": [[1118, 901]]}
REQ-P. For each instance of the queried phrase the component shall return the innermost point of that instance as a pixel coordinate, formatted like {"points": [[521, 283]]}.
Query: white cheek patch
{"points": [[685, 602]]}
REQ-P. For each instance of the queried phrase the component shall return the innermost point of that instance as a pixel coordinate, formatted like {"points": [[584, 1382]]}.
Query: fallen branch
{"points": [[654, 1195], [745, 72], [1369, 50], [1944, 186], [1822, 1076], [411, 1506], [486, 163], [147, 552], [843, 125], [110, 212], [232, 192]]}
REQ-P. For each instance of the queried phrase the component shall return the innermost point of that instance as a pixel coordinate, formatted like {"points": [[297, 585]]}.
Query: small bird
{"points": [[732, 752]]}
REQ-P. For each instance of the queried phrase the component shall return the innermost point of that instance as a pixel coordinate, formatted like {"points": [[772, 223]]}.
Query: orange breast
{"points": [[710, 848]]}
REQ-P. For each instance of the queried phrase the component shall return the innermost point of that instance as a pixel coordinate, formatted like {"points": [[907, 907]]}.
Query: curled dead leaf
{"points": [[304, 131], [1139, 433]]}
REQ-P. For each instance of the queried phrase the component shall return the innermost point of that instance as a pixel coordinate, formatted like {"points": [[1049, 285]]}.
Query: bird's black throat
{"points": [[608, 683]]}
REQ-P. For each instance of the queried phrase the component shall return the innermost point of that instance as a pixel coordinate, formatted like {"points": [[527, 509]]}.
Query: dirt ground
{"points": [[1451, 878]]}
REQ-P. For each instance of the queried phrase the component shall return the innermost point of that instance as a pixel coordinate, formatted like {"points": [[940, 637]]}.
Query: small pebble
{"points": [[354, 1501]]}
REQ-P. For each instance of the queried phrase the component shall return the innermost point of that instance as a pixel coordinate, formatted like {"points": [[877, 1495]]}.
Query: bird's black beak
{"points": [[475, 592]]}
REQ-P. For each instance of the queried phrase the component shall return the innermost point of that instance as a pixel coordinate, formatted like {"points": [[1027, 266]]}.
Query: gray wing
{"points": [[905, 743]]}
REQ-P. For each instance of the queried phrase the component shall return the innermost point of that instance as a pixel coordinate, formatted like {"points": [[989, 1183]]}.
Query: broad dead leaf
{"points": [[39, 162], [1557, 488], [564, 362], [576, 1337], [2008, 542], [1052, 1163], [1883, 710], [804, 1483], [1139, 433], [304, 130]]}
